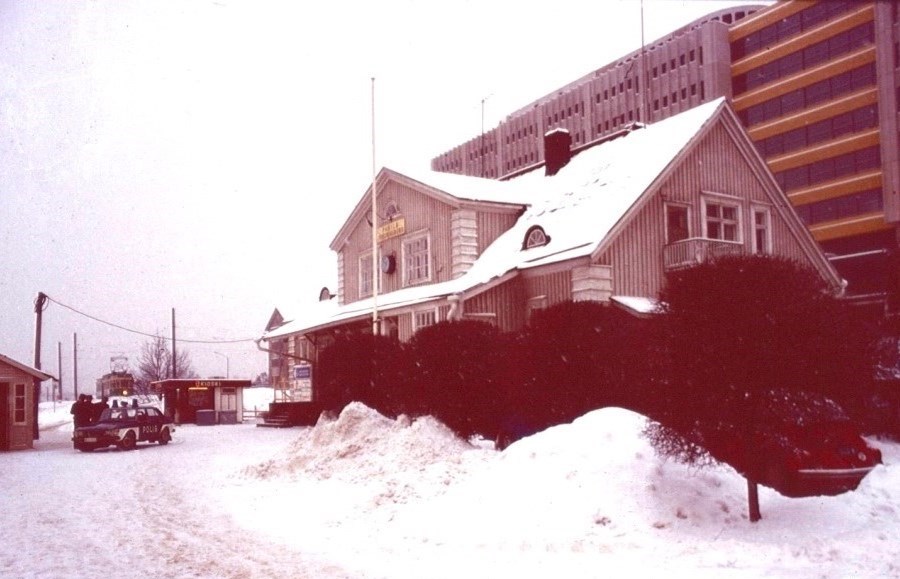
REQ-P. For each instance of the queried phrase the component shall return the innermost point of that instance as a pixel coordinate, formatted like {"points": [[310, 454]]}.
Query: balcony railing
{"points": [[688, 252]]}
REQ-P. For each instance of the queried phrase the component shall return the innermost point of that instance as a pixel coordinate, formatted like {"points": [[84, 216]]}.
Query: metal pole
{"points": [[59, 369], [74, 366], [375, 266], [174, 357]]}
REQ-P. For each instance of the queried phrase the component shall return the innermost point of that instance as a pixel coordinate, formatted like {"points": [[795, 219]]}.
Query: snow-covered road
{"points": [[142, 513], [367, 497]]}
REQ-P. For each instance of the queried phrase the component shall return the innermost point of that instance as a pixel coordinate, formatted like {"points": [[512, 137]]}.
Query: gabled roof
{"points": [[34, 372], [454, 190], [582, 209]]}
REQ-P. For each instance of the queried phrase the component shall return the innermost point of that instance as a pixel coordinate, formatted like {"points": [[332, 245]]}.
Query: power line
{"points": [[140, 333]]}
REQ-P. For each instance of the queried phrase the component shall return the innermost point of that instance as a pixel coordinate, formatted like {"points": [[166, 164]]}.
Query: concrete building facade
{"points": [[815, 83]]}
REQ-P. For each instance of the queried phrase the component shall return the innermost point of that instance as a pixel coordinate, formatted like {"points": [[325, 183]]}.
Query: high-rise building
{"points": [[816, 84]]}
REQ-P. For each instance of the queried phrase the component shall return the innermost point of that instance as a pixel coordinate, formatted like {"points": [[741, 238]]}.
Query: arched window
{"points": [[535, 237]]}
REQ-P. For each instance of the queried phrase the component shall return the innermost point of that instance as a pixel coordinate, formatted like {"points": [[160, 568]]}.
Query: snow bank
{"points": [[397, 458], [365, 496]]}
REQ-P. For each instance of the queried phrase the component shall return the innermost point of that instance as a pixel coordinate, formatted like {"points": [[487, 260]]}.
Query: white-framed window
{"points": [[424, 318], [535, 237], [677, 222], [416, 259], [762, 230], [366, 275], [19, 406], [721, 219]]}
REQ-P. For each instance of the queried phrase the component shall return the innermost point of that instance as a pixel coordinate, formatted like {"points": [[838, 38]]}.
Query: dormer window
{"points": [[535, 237]]}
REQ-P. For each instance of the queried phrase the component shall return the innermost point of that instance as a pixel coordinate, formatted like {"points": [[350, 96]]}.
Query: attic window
{"points": [[535, 237]]}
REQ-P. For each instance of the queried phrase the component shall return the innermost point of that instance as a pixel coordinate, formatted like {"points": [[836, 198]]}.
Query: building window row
{"points": [[841, 207], [424, 318], [794, 24], [824, 51], [681, 60], [825, 130], [565, 113], [806, 97], [520, 134], [521, 161], [828, 169], [416, 265], [614, 123], [673, 98], [481, 151], [624, 85]]}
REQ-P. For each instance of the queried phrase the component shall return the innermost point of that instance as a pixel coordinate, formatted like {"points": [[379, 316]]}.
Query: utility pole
{"points": [[40, 302]]}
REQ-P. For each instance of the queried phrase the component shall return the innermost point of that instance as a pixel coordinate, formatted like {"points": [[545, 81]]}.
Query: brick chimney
{"points": [[557, 150]]}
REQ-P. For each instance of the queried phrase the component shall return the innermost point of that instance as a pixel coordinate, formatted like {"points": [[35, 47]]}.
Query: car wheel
{"points": [[129, 442], [164, 437]]}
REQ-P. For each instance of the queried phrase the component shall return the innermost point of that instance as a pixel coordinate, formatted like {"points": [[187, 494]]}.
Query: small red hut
{"points": [[202, 401], [19, 388]]}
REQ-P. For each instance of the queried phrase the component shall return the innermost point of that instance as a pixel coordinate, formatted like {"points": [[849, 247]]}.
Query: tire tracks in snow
{"points": [[192, 540]]}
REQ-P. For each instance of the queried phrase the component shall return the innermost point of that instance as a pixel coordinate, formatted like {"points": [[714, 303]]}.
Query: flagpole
{"points": [[374, 224]]}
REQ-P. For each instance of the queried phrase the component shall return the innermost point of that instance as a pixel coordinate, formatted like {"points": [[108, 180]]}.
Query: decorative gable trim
{"points": [[592, 283], [341, 293], [463, 241]]}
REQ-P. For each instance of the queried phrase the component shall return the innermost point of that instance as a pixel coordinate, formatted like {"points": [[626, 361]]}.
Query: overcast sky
{"points": [[201, 155]]}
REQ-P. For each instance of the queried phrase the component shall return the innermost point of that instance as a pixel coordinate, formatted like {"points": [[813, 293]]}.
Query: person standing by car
{"points": [[81, 411], [97, 409], [75, 409]]}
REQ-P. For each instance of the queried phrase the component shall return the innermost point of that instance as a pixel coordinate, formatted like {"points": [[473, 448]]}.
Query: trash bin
{"points": [[206, 417], [227, 417]]}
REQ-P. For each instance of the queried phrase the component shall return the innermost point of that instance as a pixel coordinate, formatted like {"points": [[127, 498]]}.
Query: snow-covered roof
{"points": [[39, 374], [465, 187], [578, 208], [641, 306]]}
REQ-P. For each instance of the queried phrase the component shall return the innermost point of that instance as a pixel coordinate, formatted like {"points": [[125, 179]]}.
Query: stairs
{"points": [[278, 416], [288, 414]]}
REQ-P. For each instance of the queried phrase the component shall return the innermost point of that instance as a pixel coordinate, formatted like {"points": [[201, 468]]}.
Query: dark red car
{"points": [[801, 445]]}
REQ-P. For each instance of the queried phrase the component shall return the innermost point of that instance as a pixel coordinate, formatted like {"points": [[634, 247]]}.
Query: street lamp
{"points": [[226, 363]]}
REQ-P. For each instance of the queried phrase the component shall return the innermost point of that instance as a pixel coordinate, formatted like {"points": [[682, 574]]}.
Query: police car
{"points": [[124, 428]]}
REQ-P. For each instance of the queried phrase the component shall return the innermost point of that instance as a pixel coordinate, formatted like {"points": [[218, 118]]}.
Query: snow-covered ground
{"points": [[365, 496]]}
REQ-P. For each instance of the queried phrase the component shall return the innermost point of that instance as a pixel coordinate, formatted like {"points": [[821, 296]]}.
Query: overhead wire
{"points": [[140, 333]]}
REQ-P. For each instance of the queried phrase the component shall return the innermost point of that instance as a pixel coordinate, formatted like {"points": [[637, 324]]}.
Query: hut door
{"points": [[4, 416]]}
